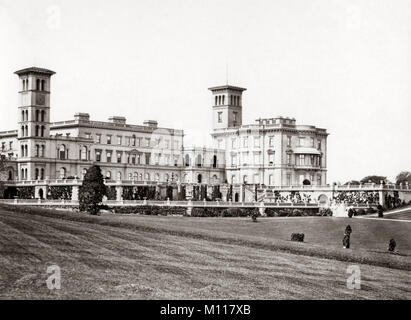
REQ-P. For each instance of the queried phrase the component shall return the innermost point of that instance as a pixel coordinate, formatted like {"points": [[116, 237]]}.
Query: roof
{"points": [[227, 87], [35, 70]]}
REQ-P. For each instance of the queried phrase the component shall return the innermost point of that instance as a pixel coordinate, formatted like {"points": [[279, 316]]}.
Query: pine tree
{"points": [[92, 191]]}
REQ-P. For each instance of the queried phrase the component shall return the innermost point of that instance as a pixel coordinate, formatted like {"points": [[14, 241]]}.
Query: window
{"points": [[108, 155], [133, 140], [98, 138], [319, 180], [233, 143], [216, 101], [62, 152], [256, 142], [245, 142], [235, 116], [42, 131], [62, 173], [127, 141], [11, 145], [38, 84], [108, 175], [43, 115], [256, 158], [271, 159], [118, 157], [288, 179], [220, 117], [187, 160], [83, 153], [119, 176], [3, 146], [108, 139], [147, 176], [37, 130], [289, 158], [301, 141], [288, 141], [301, 160], [147, 141], [88, 135], [98, 156], [37, 150], [43, 149], [312, 142], [220, 143], [271, 180], [37, 115], [319, 145], [130, 176], [271, 141], [199, 161], [167, 159], [41, 174], [148, 158], [156, 158], [37, 174], [233, 159], [157, 177], [119, 140]]}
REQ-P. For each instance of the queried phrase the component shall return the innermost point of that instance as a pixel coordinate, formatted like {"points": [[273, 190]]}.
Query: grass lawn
{"points": [[144, 257]]}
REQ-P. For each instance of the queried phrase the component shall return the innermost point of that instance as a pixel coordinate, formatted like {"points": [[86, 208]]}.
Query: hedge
{"points": [[290, 212], [149, 210]]}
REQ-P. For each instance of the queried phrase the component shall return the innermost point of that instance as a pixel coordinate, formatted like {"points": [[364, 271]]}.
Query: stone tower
{"points": [[33, 121], [227, 106]]}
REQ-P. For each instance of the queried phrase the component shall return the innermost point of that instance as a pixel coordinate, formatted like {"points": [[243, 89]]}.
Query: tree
{"points": [[374, 179], [352, 182], [92, 191], [403, 177]]}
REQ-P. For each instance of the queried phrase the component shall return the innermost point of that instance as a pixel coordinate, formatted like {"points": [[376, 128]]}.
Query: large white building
{"points": [[275, 152]]}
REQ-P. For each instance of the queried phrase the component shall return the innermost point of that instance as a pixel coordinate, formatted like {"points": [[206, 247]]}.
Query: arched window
{"points": [[245, 179], [37, 176], [26, 153], [166, 177], [37, 115], [26, 131], [22, 151], [22, 174], [223, 99], [176, 177], [62, 173], [37, 150], [233, 179], [185, 178], [199, 178], [83, 153], [38, 84], [42, 131], [219, 100], [187, 160], [108, 175], [27, 115], [214, 161], [43, 115], [216, 100], [37, 130], [42, 174], [43, 85], [22, 116], [43, 148], [62, 152], [22, 131], [135, 176], [10, 175], [157, 177], [133, 140], [147, 176], [83, 173], [199, 160]]}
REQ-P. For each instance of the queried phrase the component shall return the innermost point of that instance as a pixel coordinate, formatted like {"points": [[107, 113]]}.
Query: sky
{"points": [[342, 65]]}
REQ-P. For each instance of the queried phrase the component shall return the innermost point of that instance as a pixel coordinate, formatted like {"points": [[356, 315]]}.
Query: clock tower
{"points": [[34, 121]]}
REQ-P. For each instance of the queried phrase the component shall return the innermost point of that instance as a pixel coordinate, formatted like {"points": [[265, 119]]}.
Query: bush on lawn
{"points": [[150, 210], [299, 237]]}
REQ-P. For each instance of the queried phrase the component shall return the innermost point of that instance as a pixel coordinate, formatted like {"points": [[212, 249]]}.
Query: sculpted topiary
{"points": [[92, 191]]}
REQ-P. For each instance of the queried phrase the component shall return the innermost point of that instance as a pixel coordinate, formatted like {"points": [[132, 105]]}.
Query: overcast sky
{"points": [[340, 65]]}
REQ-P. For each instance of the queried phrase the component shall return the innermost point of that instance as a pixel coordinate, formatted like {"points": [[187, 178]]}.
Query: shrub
{"points": [[25, 192], [92, 191], [351, 212], [299, 237], [325, 212], [60, 192], [370, 210], [360, 212]]}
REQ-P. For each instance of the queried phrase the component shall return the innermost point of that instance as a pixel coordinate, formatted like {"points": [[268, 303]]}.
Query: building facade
{"points": [[271, 152]]}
